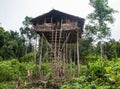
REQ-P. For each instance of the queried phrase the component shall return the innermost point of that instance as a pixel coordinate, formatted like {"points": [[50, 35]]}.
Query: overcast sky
{"points": [[12, 12]]}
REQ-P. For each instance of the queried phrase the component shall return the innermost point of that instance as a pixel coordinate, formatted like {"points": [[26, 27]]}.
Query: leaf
{"points": [[108, 69], [112, 80]]}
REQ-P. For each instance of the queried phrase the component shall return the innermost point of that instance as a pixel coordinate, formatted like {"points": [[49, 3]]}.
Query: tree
{"points": [[86, 48], [118, 48], [27, 33], [112, 49], [1, 37], [11, 44], [5, 51], [17, 44], [29, 36], [98, 21]]}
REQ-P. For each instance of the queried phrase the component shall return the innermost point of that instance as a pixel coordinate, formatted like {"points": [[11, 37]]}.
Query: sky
{"points": [[13, 12]]}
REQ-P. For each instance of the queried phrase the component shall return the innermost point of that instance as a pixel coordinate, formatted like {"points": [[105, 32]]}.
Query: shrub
{"points": [[26, 58], [1, 58], [13, 69], [100, 74]]}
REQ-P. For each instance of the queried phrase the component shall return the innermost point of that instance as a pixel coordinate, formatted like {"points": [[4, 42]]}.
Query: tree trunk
{"points": [[26, 48], [101, 50]]}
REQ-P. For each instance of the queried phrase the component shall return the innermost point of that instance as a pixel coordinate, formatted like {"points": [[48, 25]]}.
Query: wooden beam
{"points": [[66, 40], [40, 57], [47, 41], [78, 57], [70, 55], [55, 49]]}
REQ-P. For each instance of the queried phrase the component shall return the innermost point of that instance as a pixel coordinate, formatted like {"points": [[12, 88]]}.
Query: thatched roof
{"points": [[57, 16]]}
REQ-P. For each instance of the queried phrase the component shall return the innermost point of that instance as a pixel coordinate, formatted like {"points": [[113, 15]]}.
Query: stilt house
{"points": [[59, 30]]}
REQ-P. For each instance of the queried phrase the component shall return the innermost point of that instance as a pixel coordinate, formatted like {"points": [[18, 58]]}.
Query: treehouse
{"points": [[57, 26], [62, 32]]}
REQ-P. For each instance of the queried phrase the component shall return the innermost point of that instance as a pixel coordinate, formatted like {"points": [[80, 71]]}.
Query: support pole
{"points": [[60, 39], [78, 61], [74, 53], [64, 61], [70, 55], [67, 37], [59, 49], [40, 60], [52, 45], [55, 48], [66, 52]]}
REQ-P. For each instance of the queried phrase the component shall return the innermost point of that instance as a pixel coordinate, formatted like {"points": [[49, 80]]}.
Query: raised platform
{"points": [[60, 35]]}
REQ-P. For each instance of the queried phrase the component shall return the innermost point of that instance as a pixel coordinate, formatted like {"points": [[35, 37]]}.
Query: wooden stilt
{"points": [[74, 53], [52, 50], [40, 58], [64, 59], [55, 49], [78, 61], [59, 49], [66, 52], [70, 55], [47, 57], [67, 37]]}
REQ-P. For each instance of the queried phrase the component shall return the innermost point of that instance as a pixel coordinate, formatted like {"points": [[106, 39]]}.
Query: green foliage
{"points": [[98, 28], [13, 69], [97, 75], [92, 58], [111, 49], [101, 16], [27, 58], [65, 87], [8, 85], [27, 33], [47, 70], [1, 58], [86, 48], [98, 68], [45, 66], [11, 44]]}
